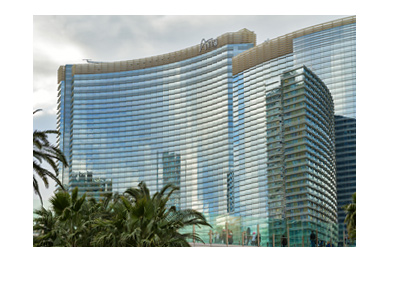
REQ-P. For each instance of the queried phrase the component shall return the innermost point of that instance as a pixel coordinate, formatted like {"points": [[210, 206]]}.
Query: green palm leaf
{"points": [[350, 219], [44, 151], [133, 219]]}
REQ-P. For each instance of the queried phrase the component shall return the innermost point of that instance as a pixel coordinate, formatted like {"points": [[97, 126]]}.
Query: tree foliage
{"points": [[133, 219], [350, 219], [44, 151]]}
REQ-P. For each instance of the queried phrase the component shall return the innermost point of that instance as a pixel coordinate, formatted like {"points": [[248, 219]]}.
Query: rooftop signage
{"points": [[242, 36], [208, 44]]}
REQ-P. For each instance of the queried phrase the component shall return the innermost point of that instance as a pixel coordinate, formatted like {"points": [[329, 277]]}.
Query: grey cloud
{"points": [[111, 38], [45, 121], [43, 68]]}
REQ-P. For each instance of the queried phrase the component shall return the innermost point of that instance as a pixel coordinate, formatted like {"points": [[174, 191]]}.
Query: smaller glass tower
{"points": [[301, 157]]}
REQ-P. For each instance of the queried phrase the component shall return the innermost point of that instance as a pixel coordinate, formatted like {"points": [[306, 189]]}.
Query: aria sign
{"points": [[210, 43]]}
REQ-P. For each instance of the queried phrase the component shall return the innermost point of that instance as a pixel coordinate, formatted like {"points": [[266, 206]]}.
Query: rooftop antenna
{"points": [[89, 61]]}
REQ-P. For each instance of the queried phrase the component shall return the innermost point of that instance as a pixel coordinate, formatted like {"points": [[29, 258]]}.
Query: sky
{"points": [[60, 40]]}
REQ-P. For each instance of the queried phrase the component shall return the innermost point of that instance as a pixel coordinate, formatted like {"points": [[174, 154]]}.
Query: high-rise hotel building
{"points": [[252, 134]]}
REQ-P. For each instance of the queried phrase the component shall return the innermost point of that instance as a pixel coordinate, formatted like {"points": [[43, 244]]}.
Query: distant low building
{"points": [[93, 186]]}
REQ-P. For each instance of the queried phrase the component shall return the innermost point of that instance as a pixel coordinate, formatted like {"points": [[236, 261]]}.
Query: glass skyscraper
{"points": [[296, 135], [329, 51], [217, 121], [331, 54], [165, 119]]}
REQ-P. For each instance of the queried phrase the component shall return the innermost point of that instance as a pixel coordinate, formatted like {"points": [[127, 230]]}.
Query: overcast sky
{"points": [[60, 40]]}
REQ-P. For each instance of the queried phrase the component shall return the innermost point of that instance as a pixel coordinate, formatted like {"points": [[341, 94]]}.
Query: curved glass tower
{"points": [[285, 144], [141, 121], [331, 54], [328, 51]]}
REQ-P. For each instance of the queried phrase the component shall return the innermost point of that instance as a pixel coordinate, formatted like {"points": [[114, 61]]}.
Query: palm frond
{"points": [[60, 201], [43, 151], [36, 189], [350, 218], [132, 219]]}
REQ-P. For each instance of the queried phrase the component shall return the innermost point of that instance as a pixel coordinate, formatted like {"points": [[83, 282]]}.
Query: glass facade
{"points": [[331, 54], [254, 150], [329, 51], [288, 159], [64, 104], [250, 142], [166, 124]]}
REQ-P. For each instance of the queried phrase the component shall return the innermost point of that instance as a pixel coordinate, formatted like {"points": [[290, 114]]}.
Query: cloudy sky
{"points": [[60, 40]]}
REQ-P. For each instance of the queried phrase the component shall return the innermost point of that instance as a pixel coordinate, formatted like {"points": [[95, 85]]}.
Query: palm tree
{"points": [[350, 219], [44, 151], [70, 221], [132, 219], [144, 220], [71, 216], [45, 227]]}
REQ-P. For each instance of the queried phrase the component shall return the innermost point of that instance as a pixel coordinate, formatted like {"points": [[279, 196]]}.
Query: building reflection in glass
{"points": [[93, 186], [172, 175], [345, 132]]}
